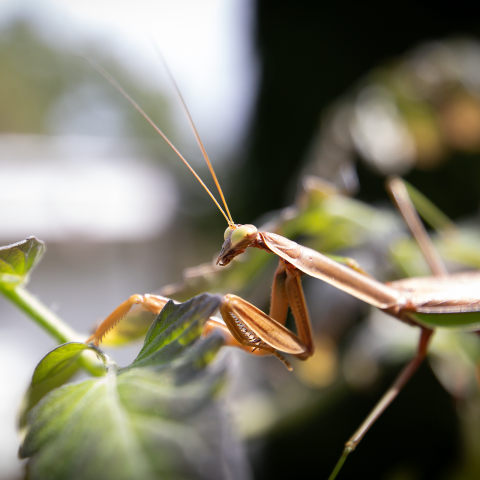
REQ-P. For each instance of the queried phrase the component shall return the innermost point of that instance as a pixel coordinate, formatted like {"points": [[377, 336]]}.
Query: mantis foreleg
{"points": [[296, 300], [279, 300], [154, 304], [287, 290], [150, 303]]}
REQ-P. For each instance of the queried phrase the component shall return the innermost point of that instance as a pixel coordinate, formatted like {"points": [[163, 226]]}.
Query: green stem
{"points": [[340, 463], [52, 324]]}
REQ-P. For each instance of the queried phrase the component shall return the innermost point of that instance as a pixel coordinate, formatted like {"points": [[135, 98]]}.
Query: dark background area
{"points": [[311, 53]]}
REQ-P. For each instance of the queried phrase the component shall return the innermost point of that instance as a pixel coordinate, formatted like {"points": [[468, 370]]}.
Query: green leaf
{"points": [[18, 259], [176, 328], [153, 419], [54, 370]]}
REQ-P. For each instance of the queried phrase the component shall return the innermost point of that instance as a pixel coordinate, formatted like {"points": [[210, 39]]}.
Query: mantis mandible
{"points": [[441, 300]]}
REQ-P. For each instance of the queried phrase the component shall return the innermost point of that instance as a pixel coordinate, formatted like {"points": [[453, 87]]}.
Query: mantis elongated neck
{"points": [[346, 279]]}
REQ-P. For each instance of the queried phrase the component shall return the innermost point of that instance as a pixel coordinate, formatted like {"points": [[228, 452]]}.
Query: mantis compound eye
{"points": [[227, 232], [237, 239], [242, 234]]}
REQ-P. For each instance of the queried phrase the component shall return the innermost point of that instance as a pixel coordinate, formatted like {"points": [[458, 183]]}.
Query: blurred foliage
{"points": [[417, 115], [309, 56]]}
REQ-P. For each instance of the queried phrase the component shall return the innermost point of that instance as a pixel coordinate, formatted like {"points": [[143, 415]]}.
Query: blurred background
{"points": [[281, 95]]}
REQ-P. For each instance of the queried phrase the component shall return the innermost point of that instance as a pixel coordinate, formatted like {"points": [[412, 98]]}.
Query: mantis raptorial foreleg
{"points": [[287, 290], [245, 327], [279, 300], [154, 304], [150, 303]]}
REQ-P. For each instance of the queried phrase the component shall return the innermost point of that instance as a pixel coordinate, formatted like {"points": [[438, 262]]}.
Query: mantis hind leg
{"points": [[401, 198], [387, 398]]}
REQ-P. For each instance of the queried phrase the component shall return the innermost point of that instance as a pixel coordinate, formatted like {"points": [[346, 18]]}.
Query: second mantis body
{"points": [[427, 302]]}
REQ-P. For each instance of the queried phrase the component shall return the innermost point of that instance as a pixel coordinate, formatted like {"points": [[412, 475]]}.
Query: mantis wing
{"points": [[451, 302]]}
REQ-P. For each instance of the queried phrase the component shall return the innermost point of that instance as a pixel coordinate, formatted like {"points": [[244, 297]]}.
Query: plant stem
{"points": [[50, 322], [340, 463]]}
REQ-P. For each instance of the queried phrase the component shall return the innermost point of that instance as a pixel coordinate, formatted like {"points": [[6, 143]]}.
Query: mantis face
{"points": [[237, 239]]}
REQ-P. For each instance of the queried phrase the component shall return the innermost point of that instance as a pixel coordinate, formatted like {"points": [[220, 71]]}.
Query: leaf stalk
{"points": [[49, 322]]}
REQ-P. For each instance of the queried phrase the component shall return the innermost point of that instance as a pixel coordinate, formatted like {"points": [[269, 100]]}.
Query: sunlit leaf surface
{"points": [[155, 418], [53, 371], [18, 259]]}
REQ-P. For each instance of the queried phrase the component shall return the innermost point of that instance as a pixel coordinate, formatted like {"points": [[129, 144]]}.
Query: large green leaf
{"points": [[18, 259], [153, 419]]}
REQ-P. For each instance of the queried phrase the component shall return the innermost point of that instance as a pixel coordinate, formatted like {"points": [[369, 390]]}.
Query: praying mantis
{"points": [[441, 300]]}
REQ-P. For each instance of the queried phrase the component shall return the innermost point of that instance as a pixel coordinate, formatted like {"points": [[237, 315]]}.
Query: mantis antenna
{"points": [[152, 123], [194, 130]]}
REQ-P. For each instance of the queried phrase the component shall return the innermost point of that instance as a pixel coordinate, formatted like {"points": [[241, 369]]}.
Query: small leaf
{"points": [[153, 419], [18, 259], [176, 327], [55, 368]]}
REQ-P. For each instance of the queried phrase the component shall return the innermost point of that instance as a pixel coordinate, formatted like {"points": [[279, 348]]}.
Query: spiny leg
{"points": [[296, 300], [287, 290], [212, 325], [151, 303], [279, 300], [386, 399], [255, 329], [252, 328], [154, 304]]}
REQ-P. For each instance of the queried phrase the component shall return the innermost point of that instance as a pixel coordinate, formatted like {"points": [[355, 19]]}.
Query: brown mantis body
{"points": [[415, 301]]}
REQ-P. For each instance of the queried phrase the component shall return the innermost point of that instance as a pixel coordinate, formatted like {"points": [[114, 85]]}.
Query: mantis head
{"points": [[237, 239]]}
